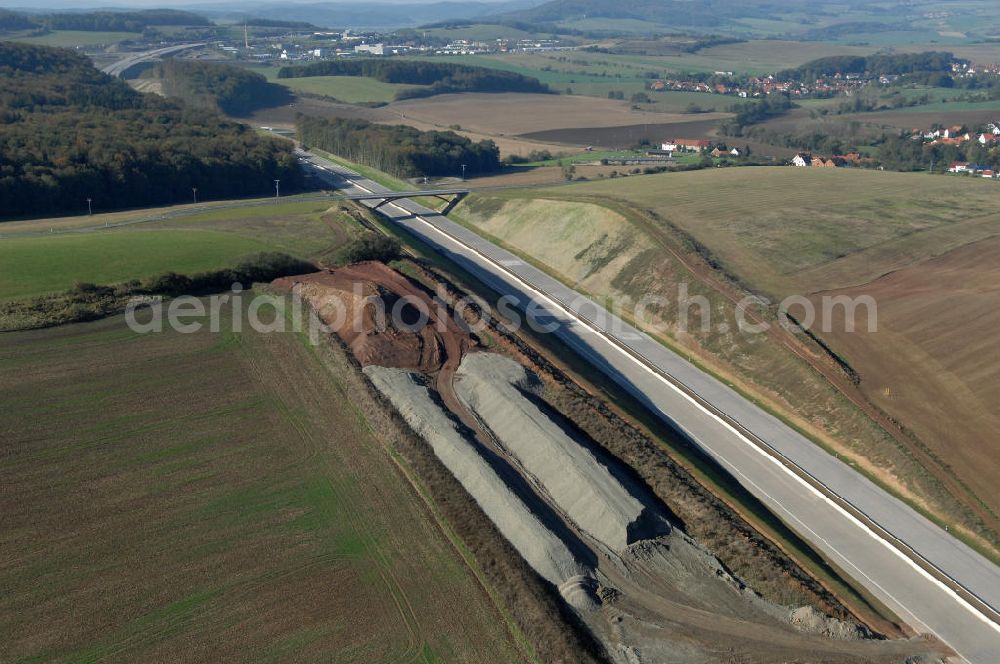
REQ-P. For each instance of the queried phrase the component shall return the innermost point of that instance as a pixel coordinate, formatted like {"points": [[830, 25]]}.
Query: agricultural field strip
{"points": [[166, 216], [909, 588]]}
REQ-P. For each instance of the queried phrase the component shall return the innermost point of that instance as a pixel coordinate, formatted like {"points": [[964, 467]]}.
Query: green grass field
{"points": [[37, 265], [596, 74], [71, 38], [348, 89], [210, 495]]}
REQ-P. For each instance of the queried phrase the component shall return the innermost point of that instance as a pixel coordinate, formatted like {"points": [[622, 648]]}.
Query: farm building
{"points": [[686, 145]]}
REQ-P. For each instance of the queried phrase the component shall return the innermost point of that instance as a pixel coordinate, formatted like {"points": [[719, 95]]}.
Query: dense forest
{"points": [[441, 77], [102, 21], [218, 87], [11, 21], [399, 150], [876, 65], [69, 132]]}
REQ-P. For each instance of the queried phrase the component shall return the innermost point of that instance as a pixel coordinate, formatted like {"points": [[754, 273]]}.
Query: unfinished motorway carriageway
{"points": [[934, 582], [121, 67]]}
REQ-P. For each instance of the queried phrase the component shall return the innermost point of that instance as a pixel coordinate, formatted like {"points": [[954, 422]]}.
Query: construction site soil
{"points": [[583, 520]]}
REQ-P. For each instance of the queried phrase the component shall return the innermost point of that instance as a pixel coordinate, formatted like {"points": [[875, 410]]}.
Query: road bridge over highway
{"points": [[452, 196]]}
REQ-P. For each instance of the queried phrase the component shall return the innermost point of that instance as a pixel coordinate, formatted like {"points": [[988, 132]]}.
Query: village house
{"points": [[802, 160], [685, 145]]}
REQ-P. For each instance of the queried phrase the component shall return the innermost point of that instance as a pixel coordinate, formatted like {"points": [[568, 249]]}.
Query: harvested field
{"points": [[939, 318], [788, 230], [203, 496], [617, 138], [503, 118], [519, 114]]}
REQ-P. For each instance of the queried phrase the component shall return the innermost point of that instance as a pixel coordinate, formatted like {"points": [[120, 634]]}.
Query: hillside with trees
{"points": [[218, 87], [69, 132], [399, 150], [439, 77], [11, 21], [874, 65], [100, 21]]}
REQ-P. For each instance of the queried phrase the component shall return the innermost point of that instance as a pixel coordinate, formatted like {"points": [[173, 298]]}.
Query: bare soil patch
{"points": [[939, 318], [621, 137], [518, 114]]}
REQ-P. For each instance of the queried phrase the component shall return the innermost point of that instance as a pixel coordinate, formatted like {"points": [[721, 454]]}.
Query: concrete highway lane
{"points": [[950, 591], [121, 66]]}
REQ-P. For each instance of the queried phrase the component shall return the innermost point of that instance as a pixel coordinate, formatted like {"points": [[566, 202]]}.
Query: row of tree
{"points": [[69, 133], [875, 65], [218, 87], [439, 77], [755, 112], [399, 150], [902, 153]]}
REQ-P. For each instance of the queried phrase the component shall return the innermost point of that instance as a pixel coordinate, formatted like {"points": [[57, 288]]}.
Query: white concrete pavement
{"points": [[868, 533], [119, 67]]}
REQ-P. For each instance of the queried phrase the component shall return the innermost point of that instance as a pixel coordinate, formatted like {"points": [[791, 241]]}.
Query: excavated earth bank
{"points": [[645, 589]]}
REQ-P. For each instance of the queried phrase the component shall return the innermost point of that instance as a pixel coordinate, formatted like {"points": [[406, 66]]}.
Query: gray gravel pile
{"points": [[495, 388], [538, 545]]}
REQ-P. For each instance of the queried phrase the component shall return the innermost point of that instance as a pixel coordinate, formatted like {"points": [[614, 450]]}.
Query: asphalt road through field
{"points": [[934, 582]]}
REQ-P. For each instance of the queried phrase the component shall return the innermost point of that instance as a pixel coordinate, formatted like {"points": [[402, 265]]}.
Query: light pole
{"points": [[90, 208], [277, 191], [194, 194], [463, 172]]}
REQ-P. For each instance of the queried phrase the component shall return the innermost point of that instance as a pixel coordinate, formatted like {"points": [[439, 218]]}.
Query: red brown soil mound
{"points": [[384, 318]]}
